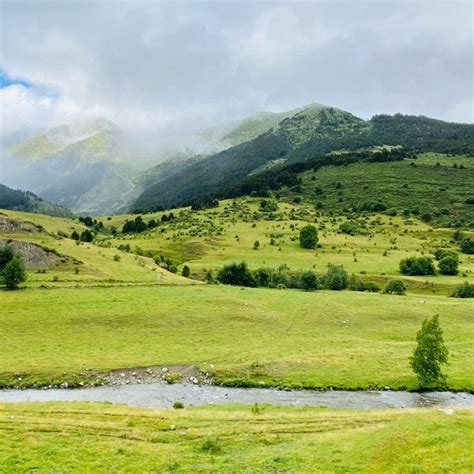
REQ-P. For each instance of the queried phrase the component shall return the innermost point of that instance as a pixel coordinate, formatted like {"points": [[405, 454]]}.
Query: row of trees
{"points": [[12, 267], [336, 278]]}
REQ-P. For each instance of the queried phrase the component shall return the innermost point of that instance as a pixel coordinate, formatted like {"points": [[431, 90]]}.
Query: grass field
{"points": [[281, 337], [68, 437], [207, 240]]}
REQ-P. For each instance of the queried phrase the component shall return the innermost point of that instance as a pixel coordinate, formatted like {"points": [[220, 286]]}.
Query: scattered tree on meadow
{"points": [[309, 237], [75, 235], [14, 272], [430, 353], [309, 281], [186, 271], [87, 236], [467, 246], [236, 274], [417, 266], [336, 278], [448, 265], [466, 290], [395, 287], [7, 252], [256, 245]]}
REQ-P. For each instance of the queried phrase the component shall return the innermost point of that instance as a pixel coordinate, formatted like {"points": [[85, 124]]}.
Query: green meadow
{"points": [[246, 336], [86, 437]]}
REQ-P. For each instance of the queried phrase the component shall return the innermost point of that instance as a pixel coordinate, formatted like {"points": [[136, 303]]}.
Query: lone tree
{"points": [[429, 354], [308, 237], [14, 273]]}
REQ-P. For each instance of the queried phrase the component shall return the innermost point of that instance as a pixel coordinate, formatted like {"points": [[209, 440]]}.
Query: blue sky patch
{"points": [[7, 80]]}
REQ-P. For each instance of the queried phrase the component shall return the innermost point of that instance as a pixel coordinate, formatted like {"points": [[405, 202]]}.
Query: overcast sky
{"points": [[149, 65]]}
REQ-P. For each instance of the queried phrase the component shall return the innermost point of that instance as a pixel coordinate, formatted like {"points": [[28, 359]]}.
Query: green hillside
{"points": [[313, 131], [17, 200]]}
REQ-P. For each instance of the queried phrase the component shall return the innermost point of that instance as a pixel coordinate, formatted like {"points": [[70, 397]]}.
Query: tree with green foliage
{"points": [[75, 235], [309, 281], [87, 236], [14, 273], [430, 353], [309, 237], [467, 246], [466, 290], [448, 265], [7, 252], [186, 271], [395, 287], [417, 266], [236, 274], [256, 245], [336, 278]]}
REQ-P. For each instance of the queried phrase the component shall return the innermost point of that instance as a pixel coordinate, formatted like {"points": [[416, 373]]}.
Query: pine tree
{"points": [[430, 353]]}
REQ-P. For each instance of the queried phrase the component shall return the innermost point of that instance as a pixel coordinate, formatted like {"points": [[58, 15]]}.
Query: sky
{"points": [[156, 65]]}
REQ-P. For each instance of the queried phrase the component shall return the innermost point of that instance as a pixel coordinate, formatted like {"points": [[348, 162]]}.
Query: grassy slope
{"points": [[208, 239], [97, 264], [399, 185], [341, 339], [100, 438]]}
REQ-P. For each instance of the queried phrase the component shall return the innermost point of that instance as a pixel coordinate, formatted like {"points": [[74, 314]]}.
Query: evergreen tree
{"points": [[430, 353], [14, 273], [308, 237]]}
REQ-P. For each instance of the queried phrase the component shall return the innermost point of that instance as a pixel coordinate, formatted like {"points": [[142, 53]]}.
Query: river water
{"points": [[161, 395]]}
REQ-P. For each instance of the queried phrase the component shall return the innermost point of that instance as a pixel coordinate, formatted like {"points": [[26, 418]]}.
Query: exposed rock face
{"points": [[9, 225], [33, 255]]}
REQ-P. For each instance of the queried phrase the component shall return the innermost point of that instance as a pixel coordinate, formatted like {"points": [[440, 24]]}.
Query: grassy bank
{"points": [[245, 336], [57, 437]]}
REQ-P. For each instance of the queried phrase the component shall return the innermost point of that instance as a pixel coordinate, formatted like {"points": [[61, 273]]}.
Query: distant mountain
{"points": [[17, 200], [313, 130], [82, 165]]}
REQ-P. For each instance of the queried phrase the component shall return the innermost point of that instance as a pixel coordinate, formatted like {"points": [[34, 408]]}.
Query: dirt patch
{"points": [[34, 255]]}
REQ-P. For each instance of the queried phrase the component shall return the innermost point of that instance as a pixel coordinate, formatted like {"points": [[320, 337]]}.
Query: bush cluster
{"points": [[417, 266]]}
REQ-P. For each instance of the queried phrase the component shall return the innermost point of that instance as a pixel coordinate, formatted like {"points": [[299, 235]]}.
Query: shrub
{"points": [[350, 228], [395, 287], [429, 353], [458, 235], [441, 253], [371, 287], [178, 405], [448, 265], [417, 266], [236, 274], [269, 205], [356, 284], [336, 278], [186, 271], [116, 258], [467, 246], [14, 273], [309, 281], [87, 236], [256, 245], [309, 237], [75, 235], [7, 252], [465, 290]]}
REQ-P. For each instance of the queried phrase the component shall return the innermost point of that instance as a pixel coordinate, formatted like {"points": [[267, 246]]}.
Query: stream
{"points": [[161, 395]]}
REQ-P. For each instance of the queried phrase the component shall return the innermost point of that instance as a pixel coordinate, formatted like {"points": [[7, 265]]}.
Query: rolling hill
{"points": [[17, 200], [316, 129]]}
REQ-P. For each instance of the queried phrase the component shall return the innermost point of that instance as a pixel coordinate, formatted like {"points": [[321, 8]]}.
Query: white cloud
{"points": [[149, 65]]}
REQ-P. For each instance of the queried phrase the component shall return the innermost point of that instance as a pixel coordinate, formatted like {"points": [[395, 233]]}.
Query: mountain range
{"points": [[93, 167]]}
